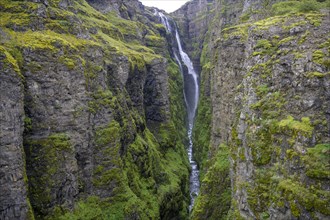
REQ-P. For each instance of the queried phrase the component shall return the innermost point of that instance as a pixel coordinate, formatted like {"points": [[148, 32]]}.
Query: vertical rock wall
{"points": [[264, 84], [193, 20], [100, 115], [14, 203]]}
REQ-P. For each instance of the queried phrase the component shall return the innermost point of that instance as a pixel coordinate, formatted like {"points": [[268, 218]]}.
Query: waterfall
{"points": [[193, 100], [164, 20], [191, 95]]}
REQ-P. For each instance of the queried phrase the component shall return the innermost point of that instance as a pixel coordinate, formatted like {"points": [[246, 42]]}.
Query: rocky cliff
{"points": [[262, 127], [92, 114], [192, 20], [93, 123]]}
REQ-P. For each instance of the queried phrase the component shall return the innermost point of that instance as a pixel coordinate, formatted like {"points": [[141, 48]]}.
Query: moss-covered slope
{"points": [[103, 113], [269, 74]]}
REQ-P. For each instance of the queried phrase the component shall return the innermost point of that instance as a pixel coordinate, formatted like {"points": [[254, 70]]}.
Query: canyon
{"points": [[115, 110]]}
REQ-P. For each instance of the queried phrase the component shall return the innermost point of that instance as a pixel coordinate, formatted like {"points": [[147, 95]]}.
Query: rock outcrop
{"points": [[265, 77], [93, 123], [92, 120], [13, 181], [193, 20]]}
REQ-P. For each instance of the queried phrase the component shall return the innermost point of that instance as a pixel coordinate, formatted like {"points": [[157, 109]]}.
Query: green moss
{"points": [[245, 16], [91, 208], [177, 154], [269, 22], [263, 47], [107, 143], [265, 44], [325, 44], [30, 215], [177, 103], [268, 103], [298, 55], [262, 90], [202, 128], [215, 189], [309, 198], [147, 183], [317, 162], [68, 62], [284, 7], [291, 154], [125, 177], [326, 63], [101, 99], [295, 24], [17, 6], [294, 209], [240, 31], [303, 127], [318, 56], [46, 156], [154, 41], [27, 124], [138, 55], [307, 6], [10, 61], [290, 7], [314, 18], [304, 37], [286, 40], [260, 192], [49, 40], [14, 19], [316, 75], [146, 176]]}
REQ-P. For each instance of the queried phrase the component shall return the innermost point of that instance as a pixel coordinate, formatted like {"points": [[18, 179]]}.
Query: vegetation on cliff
{"points": [[105, 120], [96, 124], [279, 56]]}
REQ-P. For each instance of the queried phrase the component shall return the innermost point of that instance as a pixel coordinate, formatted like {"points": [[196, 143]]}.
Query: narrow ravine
{"points": [[191, 95]]}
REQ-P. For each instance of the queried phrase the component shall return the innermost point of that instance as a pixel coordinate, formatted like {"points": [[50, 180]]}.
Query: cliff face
{"points": [[265, 91], [279, 119], [93, 120], [92, 114], [192, 20], [13, 174]]}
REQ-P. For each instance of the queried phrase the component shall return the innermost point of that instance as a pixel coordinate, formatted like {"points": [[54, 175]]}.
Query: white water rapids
{"points": [[191, 95]]}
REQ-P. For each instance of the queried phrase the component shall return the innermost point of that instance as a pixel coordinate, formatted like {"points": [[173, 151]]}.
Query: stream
{"points": [[191, 95]]}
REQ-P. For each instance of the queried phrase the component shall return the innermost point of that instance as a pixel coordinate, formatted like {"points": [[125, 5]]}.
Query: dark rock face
{"points": [[91, 106], [289, 78], [55, 96], [269, 102], [13, 195], [193, 21], [92, 114], [156, 103]]}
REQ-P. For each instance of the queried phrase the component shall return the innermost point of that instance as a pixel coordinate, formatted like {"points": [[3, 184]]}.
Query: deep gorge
{"points": [[100, 107], [191, 94]]}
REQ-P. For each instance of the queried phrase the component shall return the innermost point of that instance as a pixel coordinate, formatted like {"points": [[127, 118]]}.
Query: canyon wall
{"points": [[92, 114], [93, 123], [262, 127]]}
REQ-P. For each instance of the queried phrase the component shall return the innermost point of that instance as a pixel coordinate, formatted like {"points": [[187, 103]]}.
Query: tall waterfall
{"points": [[191, 95]]}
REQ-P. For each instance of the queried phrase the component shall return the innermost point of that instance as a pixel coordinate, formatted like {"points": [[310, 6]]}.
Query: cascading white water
{"points": [[164, 20], [191, 95], [181, 71], [192, 103]]}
